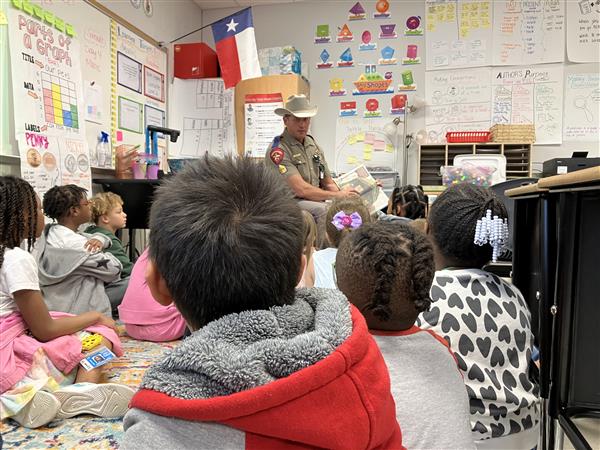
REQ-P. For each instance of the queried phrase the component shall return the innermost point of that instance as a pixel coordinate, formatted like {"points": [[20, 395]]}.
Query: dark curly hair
{"points": [[59, 199], [18, 206], [389, 266], [412, 200], [452, 221], [348, 205]]}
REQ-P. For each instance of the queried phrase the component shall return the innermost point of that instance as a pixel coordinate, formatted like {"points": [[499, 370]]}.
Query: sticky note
{"points": [[367, 156], [368, 148], [119, 136], [369, 138], [352, 140], [360, 137], [389, 148], [3, 19], [352, 159]]}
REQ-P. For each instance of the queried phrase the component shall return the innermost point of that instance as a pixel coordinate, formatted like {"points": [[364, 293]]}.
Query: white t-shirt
{"points": [[19, 272], [324, 261]]}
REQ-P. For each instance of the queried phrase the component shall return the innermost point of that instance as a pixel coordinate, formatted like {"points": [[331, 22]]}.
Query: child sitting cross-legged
{"points": [[385, 269], [40, 351], [266, 365], [108, 218], [73, 269]]}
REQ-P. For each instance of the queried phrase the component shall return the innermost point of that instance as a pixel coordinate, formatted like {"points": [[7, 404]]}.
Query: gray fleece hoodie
{"points": [[72, 281]]}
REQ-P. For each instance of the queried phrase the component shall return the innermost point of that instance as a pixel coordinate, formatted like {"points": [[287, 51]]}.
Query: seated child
{"points": [[406, 203], [267, 366], [40, 351], [385, 269], [343, 216], [108, 217], [145, 319], [72, 269], [483, 318], [310, 236]]}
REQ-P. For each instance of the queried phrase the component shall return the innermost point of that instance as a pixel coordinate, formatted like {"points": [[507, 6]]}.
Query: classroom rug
{"points": [[87, 431]]}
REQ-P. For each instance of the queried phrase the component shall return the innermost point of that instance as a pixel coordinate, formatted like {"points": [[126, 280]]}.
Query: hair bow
{"points": [[342, 220]]}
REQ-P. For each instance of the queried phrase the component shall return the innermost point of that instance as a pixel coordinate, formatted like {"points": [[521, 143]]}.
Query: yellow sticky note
{"points": [[368, 148], [389, 148], [367, 156], [3, 19], [360, 137], [352, 140], [352, 159]]}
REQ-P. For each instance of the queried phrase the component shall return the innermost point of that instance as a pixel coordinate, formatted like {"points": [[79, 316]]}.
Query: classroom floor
{"points": [[89, 431]]}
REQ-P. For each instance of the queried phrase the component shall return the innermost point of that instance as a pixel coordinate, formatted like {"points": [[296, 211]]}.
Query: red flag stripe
{"points": [[229, 61]]}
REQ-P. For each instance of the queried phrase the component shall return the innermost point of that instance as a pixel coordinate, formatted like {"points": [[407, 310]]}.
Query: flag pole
{"points": [[206, 26]]}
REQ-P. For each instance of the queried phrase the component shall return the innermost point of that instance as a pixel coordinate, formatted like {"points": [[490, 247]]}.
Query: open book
{"points": [[361, 180]]}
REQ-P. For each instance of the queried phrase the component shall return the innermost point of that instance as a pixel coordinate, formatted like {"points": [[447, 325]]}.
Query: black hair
{"points": [[412, 199], [348, 205], [18, 206], [452, 221], [385, 263], [227, 236], [59, 199]]}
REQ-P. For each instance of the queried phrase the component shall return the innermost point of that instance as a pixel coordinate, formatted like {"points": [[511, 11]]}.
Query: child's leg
{"points": [[94, 375]]}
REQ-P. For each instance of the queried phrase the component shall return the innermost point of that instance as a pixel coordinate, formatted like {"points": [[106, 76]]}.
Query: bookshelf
{"points": [[433, 156]]}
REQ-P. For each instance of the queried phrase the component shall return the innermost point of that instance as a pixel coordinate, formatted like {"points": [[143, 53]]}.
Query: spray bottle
{"points": [[103, 150]]}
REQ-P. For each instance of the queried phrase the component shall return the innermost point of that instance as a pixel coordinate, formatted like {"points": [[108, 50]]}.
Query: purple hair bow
{"points": [[342, 220]]}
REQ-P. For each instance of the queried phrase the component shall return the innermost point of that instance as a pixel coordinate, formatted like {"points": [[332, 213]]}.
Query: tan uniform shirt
{"points": [[290, 157]]}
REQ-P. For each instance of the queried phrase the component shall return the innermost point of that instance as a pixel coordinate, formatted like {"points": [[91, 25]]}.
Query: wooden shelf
{"points": [[433, 156]]}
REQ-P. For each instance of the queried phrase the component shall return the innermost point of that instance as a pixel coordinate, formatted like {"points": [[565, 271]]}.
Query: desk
{"points": [[137, 201], [555, 265]]}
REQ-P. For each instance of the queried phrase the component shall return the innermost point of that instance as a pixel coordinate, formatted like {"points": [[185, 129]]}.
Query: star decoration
{"points": [[231, 26], [102, 263]]}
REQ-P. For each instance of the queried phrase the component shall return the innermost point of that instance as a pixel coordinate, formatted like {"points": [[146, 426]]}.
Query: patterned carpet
{"points": [[89, 432]]}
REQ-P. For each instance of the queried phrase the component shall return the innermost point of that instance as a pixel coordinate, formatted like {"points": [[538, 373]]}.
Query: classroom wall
{"points": [[295, 24]]}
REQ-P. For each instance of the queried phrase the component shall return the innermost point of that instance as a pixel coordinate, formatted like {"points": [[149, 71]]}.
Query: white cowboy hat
{"points": [[298, 106]]}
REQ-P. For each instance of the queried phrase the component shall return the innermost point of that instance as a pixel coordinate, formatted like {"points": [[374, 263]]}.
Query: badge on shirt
{"points": [[276, 156], [282, 169]]}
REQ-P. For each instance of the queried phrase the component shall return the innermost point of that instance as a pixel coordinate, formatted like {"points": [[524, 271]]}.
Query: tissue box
{"points": [[280, 60]]}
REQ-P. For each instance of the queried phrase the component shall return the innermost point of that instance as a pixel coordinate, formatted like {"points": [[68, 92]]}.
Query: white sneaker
{"points": [[103, 400], [41, 410]]}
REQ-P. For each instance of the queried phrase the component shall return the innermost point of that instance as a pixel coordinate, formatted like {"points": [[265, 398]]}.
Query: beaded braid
{"points": [[17, 205], [59, 199], [413, 201], [453, 221]]}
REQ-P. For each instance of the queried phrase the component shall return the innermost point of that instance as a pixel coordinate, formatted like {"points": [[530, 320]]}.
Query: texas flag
{"points": [[236, 47]]}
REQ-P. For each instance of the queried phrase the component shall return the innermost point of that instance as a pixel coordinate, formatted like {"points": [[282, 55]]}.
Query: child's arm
{"points": [[101, 239], [101, 265], [45, 328]]}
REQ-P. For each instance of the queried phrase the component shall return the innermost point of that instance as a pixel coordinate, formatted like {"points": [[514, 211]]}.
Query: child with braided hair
{"points": [[385, 270], [40, 350], [484, 319], [406, 203], [72, 268], [343, 216]]}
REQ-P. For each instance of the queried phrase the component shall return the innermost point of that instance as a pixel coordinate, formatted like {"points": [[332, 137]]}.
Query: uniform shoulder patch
{"points": [[282, 169], [276, 155]]}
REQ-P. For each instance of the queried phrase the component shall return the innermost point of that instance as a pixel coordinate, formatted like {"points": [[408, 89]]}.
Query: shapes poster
{"points": [[530, 95], [528, 32], [457, 100], [49, 118]]}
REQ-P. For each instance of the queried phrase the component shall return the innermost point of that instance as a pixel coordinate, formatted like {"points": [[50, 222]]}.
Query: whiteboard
{"points": [[457, 100], [459, 34], [528, 32]]}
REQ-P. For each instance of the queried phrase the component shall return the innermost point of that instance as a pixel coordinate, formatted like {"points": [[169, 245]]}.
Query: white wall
{"points": [[295, 24]]}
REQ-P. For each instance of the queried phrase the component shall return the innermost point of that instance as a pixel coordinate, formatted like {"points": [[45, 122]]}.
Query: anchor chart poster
{"points": [[47, 88]]}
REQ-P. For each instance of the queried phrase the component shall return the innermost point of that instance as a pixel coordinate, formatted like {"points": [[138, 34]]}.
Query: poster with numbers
{"points": [[47, 87]]}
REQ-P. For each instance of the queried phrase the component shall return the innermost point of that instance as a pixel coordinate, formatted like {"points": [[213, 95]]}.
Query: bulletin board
{"points": [[99, 36]]}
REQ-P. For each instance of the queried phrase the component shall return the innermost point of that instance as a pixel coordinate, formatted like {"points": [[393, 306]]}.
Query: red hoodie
{"points": [[342, 401]]}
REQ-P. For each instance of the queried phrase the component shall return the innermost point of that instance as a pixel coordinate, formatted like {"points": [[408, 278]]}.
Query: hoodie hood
{"points": [[284, 374]]}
